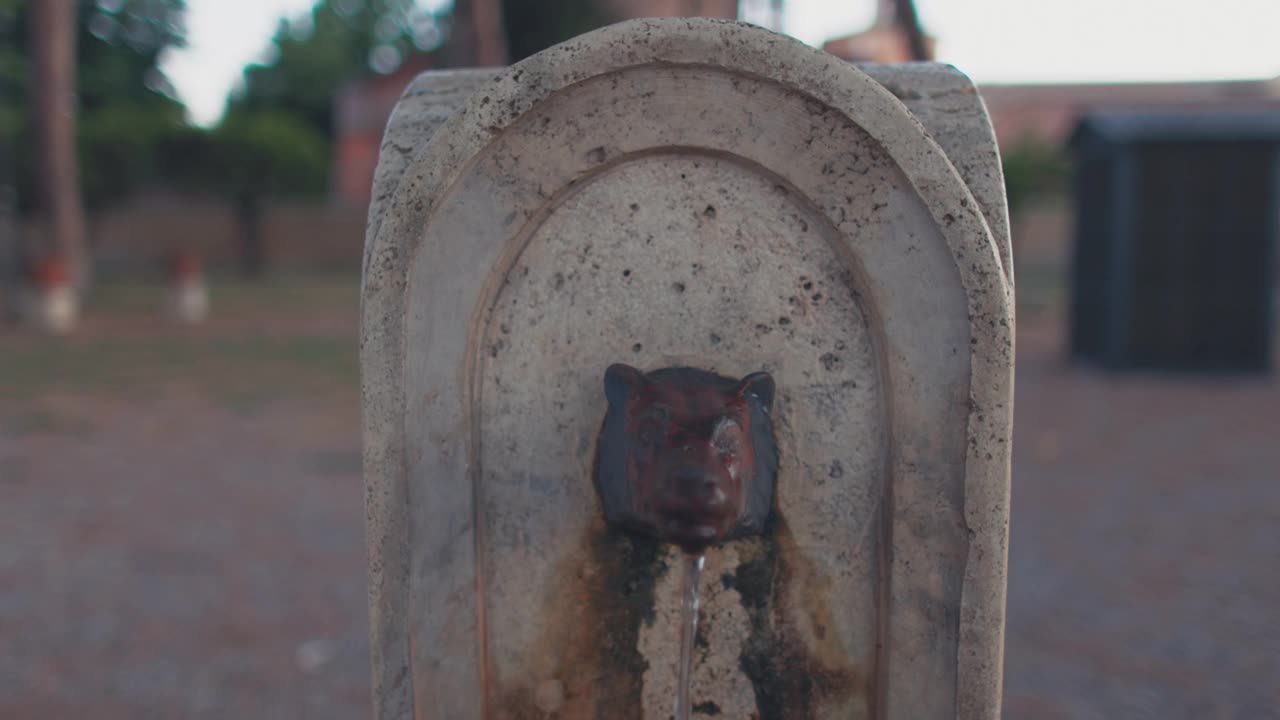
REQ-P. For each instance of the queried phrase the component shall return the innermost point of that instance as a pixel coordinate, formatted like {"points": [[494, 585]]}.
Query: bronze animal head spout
{"points": [[686, 455]]}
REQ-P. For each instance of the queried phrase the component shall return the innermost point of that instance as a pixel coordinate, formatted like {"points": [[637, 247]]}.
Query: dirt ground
{"points": [[181, 523], [181, 512]]}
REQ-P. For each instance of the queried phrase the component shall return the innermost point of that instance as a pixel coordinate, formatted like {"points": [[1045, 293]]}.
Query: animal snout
{"points": [[697, 485]]}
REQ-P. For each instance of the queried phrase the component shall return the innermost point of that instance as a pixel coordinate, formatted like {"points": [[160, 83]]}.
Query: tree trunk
{"points": [[10, 251], [249, 223], [53, 39], [478, 39], [909, 21]]}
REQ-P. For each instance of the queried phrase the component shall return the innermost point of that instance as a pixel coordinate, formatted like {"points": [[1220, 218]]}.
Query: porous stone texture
{"points": [[667, 192], [426, 104], [949, 107], [940, 97]]}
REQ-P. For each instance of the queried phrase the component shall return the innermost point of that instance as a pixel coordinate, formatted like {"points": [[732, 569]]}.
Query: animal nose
{"points": [[693, 483]]}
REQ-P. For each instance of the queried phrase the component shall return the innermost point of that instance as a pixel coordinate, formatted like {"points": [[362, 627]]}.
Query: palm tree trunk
{"points": [[909, 21], [10, 251], [53, 37]]}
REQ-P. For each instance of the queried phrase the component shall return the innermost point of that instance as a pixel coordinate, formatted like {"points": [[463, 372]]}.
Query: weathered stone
{"points": [[944, 101], [703, 193]]}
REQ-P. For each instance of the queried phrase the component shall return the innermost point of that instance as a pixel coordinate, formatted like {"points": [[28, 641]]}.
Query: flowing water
{"points": [[688, 631]]}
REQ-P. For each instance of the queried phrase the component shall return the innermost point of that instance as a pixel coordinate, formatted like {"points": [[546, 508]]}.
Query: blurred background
{"points": [[183, 188]]}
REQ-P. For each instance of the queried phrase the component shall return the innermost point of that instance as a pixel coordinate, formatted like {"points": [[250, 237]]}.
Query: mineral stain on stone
{"points": [[791, 680], [706, 708], [594, 651]]}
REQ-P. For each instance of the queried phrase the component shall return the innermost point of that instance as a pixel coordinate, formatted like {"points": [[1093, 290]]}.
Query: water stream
{"points": [[688, 631]]}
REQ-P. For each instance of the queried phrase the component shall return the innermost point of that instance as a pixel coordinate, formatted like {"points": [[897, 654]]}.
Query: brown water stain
{"points": [[793, 656], [587, 664]]}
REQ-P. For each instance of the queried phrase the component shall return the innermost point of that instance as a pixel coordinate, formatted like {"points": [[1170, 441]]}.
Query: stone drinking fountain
{"points": [[682, 288]]}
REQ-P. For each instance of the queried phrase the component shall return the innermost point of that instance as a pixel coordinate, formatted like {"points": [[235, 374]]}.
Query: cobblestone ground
{"points": [[181, 528]]}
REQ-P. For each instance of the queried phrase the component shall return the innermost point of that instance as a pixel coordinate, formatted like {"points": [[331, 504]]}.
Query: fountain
{"points": [[793, 275]]}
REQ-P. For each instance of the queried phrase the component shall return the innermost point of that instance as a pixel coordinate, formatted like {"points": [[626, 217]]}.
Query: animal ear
{"points": [[758, 385], [620, 382]]}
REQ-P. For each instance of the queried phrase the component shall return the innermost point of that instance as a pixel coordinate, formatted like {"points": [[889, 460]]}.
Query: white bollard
{"points": [[188, 292], [51, 304]]}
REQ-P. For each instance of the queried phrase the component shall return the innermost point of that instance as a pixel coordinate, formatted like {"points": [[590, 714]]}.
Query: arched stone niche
{"points": [[707, 193]]}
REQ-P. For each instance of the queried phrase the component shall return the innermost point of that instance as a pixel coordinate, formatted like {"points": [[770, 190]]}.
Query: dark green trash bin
{"points": [[1176, 223]]}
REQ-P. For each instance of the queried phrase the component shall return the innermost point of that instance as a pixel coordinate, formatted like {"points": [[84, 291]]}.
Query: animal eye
{"points": [[726, 445], [725, 436]]}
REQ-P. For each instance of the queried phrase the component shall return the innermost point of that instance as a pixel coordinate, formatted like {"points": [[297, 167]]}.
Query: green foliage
{"points": [[15, 68], [534, 25], [118, 48], [126, 105], [339, 41], [266, 153], [118, 52], [1033, 169], [119, 150]]}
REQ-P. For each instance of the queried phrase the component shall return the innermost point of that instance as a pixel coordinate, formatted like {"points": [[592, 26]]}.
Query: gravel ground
{"points": [[1144, 562], [191, 546], [185, 560]]}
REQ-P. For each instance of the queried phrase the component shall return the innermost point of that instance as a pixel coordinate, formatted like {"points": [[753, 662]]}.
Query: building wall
{"points": [[1048, 113], [362, 111]]}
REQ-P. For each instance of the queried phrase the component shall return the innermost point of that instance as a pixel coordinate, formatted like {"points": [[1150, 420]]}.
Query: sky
{"points": [[993, 41]]}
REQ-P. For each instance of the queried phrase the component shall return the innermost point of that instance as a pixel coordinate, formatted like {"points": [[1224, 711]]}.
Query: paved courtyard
{"points": [[181, 524], [1144, 563]]}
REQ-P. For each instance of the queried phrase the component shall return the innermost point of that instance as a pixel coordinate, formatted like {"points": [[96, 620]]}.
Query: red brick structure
{"points": [[362, 110], [1048, 113], [884, 42]]}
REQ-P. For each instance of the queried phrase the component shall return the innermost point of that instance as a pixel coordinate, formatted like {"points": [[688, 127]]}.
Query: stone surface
{"points": [[708, 193], [939, 96], [948, 106]]}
